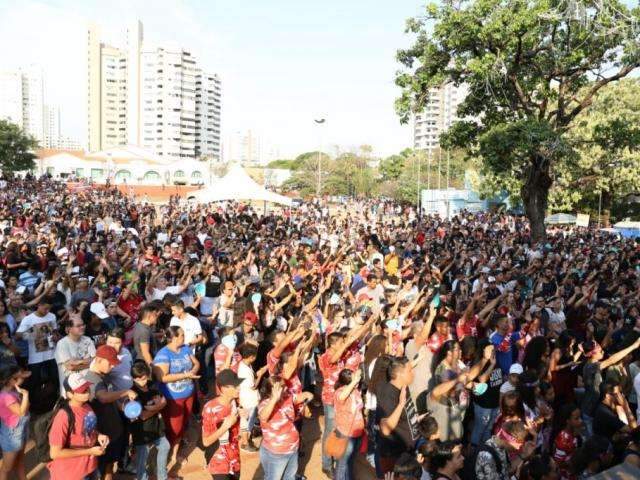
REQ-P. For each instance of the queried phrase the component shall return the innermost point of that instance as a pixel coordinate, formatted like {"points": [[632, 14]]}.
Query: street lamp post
{"points": [[318, 122]]}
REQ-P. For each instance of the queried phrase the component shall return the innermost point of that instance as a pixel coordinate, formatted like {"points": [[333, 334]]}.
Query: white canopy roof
{"points": [[560, 218], [237, 185]]}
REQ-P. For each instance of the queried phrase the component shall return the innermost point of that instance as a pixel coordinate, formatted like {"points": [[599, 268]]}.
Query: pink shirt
{"points": [[7, 417]]}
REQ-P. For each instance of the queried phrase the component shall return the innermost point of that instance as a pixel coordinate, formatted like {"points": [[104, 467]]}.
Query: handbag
{"points": [[336, 444]]}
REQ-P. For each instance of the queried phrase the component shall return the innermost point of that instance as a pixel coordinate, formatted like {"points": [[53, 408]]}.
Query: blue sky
{"points": [[282, 62]]}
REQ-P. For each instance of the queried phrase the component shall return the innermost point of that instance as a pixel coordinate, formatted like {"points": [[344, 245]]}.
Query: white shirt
{"points": [[190, 325], [68, 349], [38, 330], [248, 394], [159, 294]]}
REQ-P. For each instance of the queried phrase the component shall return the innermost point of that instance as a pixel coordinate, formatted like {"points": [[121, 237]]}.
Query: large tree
{"points": [[526, 64], [607, 140], [16, 149]]}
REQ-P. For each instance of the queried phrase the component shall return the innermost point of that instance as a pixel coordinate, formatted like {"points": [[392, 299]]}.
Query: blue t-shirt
{"points": [[178, 363], [505, 349]]}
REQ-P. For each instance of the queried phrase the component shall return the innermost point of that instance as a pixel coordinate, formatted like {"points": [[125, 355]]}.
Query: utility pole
{"points": [[418, 157], [319, 122]]}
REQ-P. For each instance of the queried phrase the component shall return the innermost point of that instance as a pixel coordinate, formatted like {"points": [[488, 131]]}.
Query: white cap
{"points": [[98, 309], [491, 279], [485, 270], [516, 368]]}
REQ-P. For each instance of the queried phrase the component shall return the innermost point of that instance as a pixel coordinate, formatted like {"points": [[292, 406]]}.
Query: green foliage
{"points": [[391, 167], [528, 66], [607, 140], [304, 178], [16, 149]]}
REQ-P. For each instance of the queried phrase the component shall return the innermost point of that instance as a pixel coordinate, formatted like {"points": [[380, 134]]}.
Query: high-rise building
{"points": [[33, 102], [244, 147], [52, 133], [438, 115], [11, 97], [22, 100], [151, 96], [208, 110]]}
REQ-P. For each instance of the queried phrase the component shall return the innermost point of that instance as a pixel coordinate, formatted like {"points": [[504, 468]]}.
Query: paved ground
{"points": [[193, 468]]}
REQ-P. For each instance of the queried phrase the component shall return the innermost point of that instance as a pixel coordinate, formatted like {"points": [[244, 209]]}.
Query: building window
{"points": [[196, 174], [178, 174], [152, 175], [97, 173], [123, 175], [79, 172]]}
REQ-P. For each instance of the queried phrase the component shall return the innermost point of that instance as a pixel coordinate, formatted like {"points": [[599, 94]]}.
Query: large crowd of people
{"points": [[431, 348]]}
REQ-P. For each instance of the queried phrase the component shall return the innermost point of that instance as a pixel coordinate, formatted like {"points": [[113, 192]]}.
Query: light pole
{"points": [[419, 158], [319, 122]]}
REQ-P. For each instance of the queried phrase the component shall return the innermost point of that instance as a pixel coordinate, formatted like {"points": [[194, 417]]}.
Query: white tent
{"points": [[237, 185]]}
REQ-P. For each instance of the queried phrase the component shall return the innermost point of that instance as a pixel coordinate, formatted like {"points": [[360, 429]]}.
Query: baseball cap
{"points": [[228, 378], [491, 279], [516, 368], [98, 309], [76, 383], [108, 353]]}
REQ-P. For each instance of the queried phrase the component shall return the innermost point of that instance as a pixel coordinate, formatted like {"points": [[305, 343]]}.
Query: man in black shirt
{"points": [[395, 414], [606, 421]]}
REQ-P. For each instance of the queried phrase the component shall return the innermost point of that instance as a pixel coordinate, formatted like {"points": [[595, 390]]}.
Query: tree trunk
{"points": [[535, 196], [607, 202]]}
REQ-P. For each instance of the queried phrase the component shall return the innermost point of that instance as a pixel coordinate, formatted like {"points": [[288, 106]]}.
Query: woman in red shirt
{"points": [[349, 421], [280, 438], [568, 439]]}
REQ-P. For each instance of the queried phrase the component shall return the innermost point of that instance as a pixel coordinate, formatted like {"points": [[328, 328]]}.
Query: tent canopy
{"points": [[237, 185], [560, 218]]}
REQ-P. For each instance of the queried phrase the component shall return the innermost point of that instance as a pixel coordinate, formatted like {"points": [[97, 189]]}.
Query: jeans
{"points": [[329, 419], [142, 453], [344, 470], [588, 423], [483, 420], [279, 466]]}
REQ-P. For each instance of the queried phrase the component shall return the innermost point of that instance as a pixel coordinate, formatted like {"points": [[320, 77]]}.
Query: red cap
{"points": [[251, 317], [108, 353]]}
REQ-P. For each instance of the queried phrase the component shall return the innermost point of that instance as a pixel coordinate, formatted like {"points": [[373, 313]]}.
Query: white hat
{"points": [[485, 270], [516, 368], [491, 279], [98, 309]]}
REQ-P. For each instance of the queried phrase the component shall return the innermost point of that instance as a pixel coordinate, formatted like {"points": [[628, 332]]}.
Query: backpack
{"points": [[41, 428], [468, 471]]}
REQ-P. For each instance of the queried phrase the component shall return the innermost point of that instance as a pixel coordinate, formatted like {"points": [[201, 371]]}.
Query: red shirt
{"points": [[226, 460], [352, 358], [565, 446], [436, 341], [279, 433], [330, 372], [84, 435], [468, 328], [349, 418], [220, 356]]}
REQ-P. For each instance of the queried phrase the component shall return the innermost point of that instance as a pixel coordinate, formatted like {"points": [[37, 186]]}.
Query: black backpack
{"points": [[41, 428], [468, 471]]}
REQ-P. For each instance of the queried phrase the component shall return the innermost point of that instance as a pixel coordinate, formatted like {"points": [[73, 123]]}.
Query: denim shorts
{"points": [[14, 439]]}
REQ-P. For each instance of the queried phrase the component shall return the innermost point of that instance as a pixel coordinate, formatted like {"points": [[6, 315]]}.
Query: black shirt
{"points": [[146, 431], [401, 439], [491, 398], [606, 422]]}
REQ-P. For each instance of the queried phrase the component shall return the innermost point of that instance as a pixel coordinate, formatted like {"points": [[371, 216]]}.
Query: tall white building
{"points": [[208, 112], [11, 97], [52, 133], [151, 96], [438, 115], [244, 147], [33, 102]]}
